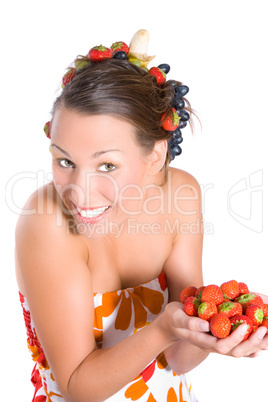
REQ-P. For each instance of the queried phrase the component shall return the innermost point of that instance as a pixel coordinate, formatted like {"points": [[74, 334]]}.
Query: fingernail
{"points": [[262, 332], [243, 329], [203, 326]]}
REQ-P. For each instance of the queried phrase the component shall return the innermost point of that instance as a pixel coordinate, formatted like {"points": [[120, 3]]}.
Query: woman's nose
{"points": [[93, 187]]}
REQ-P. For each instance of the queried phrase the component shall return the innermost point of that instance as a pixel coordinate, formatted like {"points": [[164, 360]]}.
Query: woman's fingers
{"points": [[195, 330], [253, 345]]}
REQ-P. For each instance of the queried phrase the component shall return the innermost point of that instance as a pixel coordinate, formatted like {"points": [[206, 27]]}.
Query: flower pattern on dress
{"points": [[118, 315]]}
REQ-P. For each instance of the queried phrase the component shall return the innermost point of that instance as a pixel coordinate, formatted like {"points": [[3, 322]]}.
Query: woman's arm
{"points": [[184, 265], [58, 286], [184, 268]]}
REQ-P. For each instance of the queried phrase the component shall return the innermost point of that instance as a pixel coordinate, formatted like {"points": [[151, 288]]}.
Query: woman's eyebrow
{"points": [[66, 153], [97, 154], [93, 156]]}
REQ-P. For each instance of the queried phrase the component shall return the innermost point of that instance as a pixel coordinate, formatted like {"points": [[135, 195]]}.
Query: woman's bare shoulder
{"points": [[180, 177], [43, 228], [43, 211]]}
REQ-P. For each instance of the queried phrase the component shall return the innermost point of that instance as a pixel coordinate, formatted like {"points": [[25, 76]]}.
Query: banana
{"points": [[138, 48]]}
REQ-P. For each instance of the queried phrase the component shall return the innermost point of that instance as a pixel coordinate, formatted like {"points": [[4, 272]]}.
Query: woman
{"points": [[103, 251]]}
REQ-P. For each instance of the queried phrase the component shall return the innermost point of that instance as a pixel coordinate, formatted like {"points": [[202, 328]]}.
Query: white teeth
{"points": [[91, 213]]}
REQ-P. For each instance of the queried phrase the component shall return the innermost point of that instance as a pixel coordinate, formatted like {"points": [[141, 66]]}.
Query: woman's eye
{"points": [[107, 167], [65, 163]]}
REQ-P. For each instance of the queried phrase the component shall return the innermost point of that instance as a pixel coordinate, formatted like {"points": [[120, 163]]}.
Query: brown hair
{"points": [[121, 89]]}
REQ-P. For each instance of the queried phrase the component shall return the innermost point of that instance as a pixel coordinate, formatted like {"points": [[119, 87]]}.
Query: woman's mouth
{"points": [[91, 215]]}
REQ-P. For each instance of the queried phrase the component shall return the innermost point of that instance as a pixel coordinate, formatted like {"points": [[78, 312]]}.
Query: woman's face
{"points": [[99, 170]]}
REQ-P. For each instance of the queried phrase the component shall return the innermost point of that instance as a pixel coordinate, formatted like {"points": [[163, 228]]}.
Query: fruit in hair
{"points": [[120, 55], [99, 53], [158, 74], [170, 121], [164, 67], [68, 77], [47, 129], [119, 47]]}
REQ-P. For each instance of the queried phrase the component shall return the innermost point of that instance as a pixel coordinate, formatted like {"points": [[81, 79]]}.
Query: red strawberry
{"points": [[68, 77], [99, 53], [119, 47], [199, 291], [255, 313], [159, 74], [171, 121], [237, 320], [47, 129], [220, 325], [230, 289], [187, 292], [243, 288], [230, 308], [249, 299], [265, 310], [191, 306], [213, 294], [265, 323], [206, 310]]}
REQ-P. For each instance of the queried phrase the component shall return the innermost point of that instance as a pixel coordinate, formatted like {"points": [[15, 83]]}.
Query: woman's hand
{"points": [[179, 326]]}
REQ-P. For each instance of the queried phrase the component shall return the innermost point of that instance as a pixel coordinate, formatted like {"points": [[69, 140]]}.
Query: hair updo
{"points": [[123, 90]]}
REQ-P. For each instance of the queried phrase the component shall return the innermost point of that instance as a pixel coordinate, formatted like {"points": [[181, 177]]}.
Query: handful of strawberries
{"points": [[226, 307]]}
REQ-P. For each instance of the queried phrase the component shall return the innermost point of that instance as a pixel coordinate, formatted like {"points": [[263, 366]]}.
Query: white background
{"points": [[219, 49]]}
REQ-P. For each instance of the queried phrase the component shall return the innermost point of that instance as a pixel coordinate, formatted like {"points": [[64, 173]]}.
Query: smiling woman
{"points": [[119, 236]]}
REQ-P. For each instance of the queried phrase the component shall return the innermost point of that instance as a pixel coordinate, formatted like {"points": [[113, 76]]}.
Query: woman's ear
{"points": [[158, 157]]}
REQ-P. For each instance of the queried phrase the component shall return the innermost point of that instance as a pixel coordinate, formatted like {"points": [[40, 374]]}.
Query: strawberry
{"points": [[99, 53], [206, 310], [265, 323], [243, 288], [191, 306], [237, 320], [249, 299], [255, 313], [230, 308], [47, 129], [265, 310], [187, 292], [159, 74], [230, 289], [220, 325], [68, 77], [212, 293], [199, 291], [171, 121], [119, 47]]}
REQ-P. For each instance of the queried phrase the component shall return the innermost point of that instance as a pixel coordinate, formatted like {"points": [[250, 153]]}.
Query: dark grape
{"points": [[165, 68], [176, 150], [182, 124], [120, 55], [179, 103], [177, 140], [184, 115], [182, 90]]}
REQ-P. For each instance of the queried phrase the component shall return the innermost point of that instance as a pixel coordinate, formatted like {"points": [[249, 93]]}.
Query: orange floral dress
{"points": [[118, 314]]}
